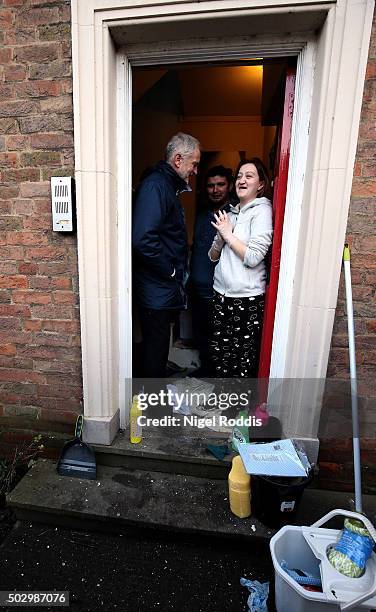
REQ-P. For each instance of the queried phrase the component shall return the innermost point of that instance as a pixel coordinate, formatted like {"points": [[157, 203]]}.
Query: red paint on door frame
{"points": [[279, 201]]}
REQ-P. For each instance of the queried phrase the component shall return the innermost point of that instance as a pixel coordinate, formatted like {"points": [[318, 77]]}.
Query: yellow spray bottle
{"points": [[135, 428]]}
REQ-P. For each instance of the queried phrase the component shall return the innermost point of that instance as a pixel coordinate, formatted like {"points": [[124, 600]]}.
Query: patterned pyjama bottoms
{"points": [[237, 329]]}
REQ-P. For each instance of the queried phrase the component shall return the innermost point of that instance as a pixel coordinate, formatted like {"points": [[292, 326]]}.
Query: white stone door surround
{"points": [[330, 40]]}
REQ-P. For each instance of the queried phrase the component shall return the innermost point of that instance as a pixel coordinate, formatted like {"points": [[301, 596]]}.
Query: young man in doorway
{"points": [[218, 186], [161, 250]]}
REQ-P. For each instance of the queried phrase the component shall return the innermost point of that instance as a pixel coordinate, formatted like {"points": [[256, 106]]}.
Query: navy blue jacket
{"points": [[201, 268], [159, 240]]}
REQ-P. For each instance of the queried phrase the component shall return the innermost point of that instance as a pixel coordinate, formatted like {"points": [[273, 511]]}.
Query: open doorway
{"points": [[236, 112]]}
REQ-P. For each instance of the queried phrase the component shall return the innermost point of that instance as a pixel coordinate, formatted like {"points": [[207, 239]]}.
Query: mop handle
{"points": [[353, 380], [78, 428], [372, 531]]}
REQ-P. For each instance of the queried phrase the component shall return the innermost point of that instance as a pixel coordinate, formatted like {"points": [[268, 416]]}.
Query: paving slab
{"points": [[120, 497]]}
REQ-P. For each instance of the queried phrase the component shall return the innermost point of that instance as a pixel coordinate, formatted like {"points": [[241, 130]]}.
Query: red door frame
{"points": [[279, 200]]}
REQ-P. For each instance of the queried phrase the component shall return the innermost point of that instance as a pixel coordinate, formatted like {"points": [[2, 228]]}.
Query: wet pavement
{"points": [[139, 570]]}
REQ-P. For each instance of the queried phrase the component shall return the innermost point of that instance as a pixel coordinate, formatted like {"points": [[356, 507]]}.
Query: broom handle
{"points": [[353, 380]]}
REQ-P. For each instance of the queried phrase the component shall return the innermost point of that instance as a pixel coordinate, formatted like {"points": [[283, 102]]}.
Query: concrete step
{"points": [[124, 499], [179, 450], [121, 499], [169, 452]]}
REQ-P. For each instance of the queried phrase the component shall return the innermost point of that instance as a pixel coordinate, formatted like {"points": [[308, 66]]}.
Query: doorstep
{"points": [[168, 452], [121, 499]]}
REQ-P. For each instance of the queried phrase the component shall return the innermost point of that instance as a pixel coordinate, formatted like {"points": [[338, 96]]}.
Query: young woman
{"points": [[242, 241]]}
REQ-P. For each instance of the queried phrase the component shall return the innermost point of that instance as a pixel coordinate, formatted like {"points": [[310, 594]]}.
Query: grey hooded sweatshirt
{"points": [[252, 224]]}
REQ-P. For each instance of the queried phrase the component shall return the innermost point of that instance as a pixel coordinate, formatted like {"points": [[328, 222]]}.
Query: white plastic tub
{"points": [[290, 544]]}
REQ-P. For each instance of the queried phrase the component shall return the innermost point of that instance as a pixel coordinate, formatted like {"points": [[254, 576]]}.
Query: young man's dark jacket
{"points": [[160, 244]]}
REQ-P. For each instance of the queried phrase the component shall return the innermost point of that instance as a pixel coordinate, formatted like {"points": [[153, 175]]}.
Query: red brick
{"points": [[14, 310], [15, 72], [13, 253], [10, 323], [42, 52], [8, 191], [8, 126], [13, 282], [49, 352], [357, 168], [66, 49], [6, 91], [51, 141], [60, 415], [38, 16], [31, 297], [51, 282], [22, 208], [46, 252], [57, 31], [66, 379], [42, 206], [6, 18], [18, 142], [371, 326], [368, 244], [52, 311], [27, 238], [8, 349], [64, 297], [40, 158], [32, 190], [62, 326], [362, 293], [65, 12], [13, 2], [8, 267], [32, 325], [42, 222], [6, 55], [363, 188], [22, 376], [48, 338], [56, 268], [59, 391], [20, 175], [17, 108], [20, 36], [37, 89], [369, 169], [16, 337], [9, 160], [52, 70], [57, 366], [371, 69], [40, 123], [61, 104], [5, 207]]}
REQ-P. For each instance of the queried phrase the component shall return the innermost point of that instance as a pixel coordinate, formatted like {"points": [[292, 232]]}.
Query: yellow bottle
{"points": [[239, 489], [135, 428]]}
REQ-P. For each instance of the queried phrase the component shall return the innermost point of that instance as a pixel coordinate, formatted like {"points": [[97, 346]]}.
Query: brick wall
{"points": [[40, 376], [40, 360], [336, 454]]}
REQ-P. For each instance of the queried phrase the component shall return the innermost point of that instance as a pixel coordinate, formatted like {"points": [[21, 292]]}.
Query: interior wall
{"points": [[167, 101]]}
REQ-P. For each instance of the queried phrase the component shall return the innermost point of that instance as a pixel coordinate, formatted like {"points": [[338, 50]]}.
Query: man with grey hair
{"points": [[161, 250]]}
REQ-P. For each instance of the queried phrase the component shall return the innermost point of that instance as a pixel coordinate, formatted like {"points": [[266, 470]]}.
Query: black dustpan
{"points": [[77, 458]]}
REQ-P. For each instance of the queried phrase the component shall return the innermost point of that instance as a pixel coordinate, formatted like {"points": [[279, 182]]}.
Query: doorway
{"points": [[235, 110]]}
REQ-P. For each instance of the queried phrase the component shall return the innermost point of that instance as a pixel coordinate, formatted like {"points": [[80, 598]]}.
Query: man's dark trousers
{"points": [[155, 328]]}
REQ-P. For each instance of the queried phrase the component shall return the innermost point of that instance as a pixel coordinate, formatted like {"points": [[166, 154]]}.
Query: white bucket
{"points": [[305, 548]]}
